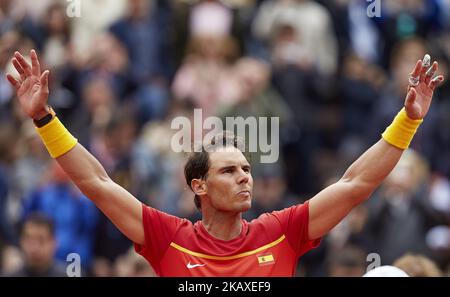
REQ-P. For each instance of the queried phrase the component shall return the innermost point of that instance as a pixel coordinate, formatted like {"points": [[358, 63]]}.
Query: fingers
{"points": [[435, 82], [417, 69], [423, 72], [23, 63], [35, 66], [414, 76], [430, 73], [425, 64], [19, 69], [410, 97], [44, 81], [14, 82]]}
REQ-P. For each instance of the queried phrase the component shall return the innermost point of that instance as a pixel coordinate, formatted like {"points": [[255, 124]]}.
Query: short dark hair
{"points": [[40, 219], [198, 162]]}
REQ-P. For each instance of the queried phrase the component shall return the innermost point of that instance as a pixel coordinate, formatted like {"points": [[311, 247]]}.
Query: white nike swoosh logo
{"points": [[190, 266]]}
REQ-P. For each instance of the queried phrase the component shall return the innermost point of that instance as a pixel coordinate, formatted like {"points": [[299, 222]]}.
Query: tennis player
{"points": [[222, 243]]}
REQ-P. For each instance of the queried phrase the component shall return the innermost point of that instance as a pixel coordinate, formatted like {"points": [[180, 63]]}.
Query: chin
{"points": [[245, 206]]}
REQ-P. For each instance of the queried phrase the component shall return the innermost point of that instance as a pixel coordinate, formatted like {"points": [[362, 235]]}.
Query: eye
{"points": [[246, 169], [229, 170]]}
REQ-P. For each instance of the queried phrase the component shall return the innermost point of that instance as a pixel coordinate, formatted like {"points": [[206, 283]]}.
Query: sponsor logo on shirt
{"points": [[190, 266]]}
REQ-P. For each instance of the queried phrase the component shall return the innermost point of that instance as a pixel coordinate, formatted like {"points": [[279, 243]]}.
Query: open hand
{"points": [[32, 86], [421, 88]]}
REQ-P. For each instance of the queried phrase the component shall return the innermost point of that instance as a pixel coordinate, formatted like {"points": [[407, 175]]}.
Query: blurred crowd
{"points": [[122, 70]]}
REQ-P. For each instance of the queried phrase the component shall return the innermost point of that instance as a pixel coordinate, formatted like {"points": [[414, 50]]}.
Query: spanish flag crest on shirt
{"points": [[266, 259]]}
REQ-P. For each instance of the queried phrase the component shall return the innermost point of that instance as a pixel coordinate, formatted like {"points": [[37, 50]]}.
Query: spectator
{"points": [[95, 17], [401, 214], [143, 32], [74, 216], [347, 262], [205, 79], [133, 265], [95, 111], [257, 97], [417, 266], [11, 259], [406, 19], [312, 25], [8, 156], [38, 244], [359, 88]]}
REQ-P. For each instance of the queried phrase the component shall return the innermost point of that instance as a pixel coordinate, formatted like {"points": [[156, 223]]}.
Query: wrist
{"points": [[56, 138], [44, 117], [401, 132], [40, 114]]}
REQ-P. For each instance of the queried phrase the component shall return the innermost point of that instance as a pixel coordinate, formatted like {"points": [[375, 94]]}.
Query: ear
{"points": [[198, 186]]}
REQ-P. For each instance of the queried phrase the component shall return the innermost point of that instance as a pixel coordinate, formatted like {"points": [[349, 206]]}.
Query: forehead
{"points": [[228, 156], [31, 228]]}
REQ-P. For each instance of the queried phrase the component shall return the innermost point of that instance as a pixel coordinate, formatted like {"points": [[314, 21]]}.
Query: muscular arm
{"points": [[331, 205], [122, 208], [116, 203]]}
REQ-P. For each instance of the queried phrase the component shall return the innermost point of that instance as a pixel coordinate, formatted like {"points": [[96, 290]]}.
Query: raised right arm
{"points": [[122, 208]]}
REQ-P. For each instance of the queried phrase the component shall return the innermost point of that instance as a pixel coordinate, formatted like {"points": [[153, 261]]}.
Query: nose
{"points": [[243, 177]]}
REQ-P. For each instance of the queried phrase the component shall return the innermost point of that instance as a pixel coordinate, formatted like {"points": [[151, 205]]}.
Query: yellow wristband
{"points": [[56, 138], [402, 130]]}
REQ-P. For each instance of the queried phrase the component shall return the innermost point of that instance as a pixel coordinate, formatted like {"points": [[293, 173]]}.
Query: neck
{"points": [[223, 226]]}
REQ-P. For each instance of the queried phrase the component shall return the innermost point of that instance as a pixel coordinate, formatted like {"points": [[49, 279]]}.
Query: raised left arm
{"points": [[332, 204]]}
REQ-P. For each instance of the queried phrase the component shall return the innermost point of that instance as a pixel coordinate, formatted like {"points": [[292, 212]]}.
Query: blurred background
{"points": [[122, 70]]}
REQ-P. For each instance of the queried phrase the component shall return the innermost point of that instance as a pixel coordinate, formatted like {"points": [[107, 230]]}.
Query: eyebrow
{"points": [[245, 166]]}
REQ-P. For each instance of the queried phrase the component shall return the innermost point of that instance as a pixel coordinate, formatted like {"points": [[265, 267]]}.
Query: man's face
{"points": [[229, 182], [38, 245]]}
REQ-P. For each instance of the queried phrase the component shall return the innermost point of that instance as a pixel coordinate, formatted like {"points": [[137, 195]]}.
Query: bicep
{"points": [[123, 209], [329, 207]]}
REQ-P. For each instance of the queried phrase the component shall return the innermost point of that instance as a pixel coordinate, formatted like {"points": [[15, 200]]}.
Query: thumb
{"points": [[410, 97]]}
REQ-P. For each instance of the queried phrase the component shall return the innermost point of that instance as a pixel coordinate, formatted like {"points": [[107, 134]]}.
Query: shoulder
{"points": [[163, 224], [283, 217], [149, 212]]}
